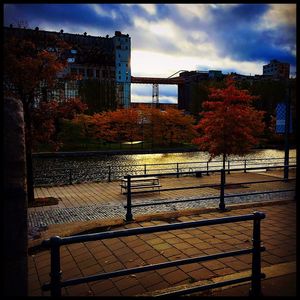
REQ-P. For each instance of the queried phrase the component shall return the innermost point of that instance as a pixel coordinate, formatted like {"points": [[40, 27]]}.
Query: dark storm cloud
{"points": [[59, 14], [236, 35], [232, 31]]}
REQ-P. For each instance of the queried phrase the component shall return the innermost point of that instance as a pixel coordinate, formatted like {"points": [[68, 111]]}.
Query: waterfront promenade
{"points": [[103, 200], [88, 206], [278, 261]]}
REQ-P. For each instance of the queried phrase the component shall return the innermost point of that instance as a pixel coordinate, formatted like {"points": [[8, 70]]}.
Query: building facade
{"points": [[122, 47], [105, 60], [277, 69]]}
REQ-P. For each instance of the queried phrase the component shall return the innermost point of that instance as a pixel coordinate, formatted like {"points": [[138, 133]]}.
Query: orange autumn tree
{"points": [[31, 65], [47, 118], [167, 127], [176, 128], [121, 125], [229, 123]]}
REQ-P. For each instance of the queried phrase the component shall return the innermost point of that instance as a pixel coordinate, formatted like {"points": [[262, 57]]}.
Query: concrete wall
{"points": [[14, 204]]}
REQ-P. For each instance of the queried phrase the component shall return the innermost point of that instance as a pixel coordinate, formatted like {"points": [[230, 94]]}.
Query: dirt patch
{"points": [[44, 202]]}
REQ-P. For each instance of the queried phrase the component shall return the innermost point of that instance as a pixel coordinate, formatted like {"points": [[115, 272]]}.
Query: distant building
{"points": [[104, 59], [277, 69], [187, 92]]}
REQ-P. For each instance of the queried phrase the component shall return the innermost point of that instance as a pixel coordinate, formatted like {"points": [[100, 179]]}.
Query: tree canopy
{"points": [[229, 123]]}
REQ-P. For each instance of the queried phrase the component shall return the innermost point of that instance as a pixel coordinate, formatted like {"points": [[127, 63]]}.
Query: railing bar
{"points": [[155, 267], [151, 229], [207, 287], [262, 181], [171, 202], [217, 170], [210, 186], [180, 188], [209, 198], [256, 193]]}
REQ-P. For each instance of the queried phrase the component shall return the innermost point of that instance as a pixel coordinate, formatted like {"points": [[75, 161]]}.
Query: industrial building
{"points": [[103, 64], [277, 69], [102, 59]]}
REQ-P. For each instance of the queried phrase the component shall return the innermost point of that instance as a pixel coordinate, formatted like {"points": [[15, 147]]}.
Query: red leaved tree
{"points": [[121, 125], [167, 127], [46, 126], [229, 124], [29, 63]]}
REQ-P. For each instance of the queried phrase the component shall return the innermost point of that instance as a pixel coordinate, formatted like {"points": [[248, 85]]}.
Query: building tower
{"points": [[122, 46]]}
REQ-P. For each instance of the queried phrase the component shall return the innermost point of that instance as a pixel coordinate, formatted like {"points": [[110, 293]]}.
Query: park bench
{"points": [[141, 183]]}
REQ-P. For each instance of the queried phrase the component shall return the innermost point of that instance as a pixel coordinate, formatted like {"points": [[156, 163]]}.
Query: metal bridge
{"points": [[155, 81]]}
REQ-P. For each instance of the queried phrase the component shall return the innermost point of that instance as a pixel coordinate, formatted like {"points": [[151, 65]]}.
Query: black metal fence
{"points": [[65, 176], [56, 242], [221, 185]]}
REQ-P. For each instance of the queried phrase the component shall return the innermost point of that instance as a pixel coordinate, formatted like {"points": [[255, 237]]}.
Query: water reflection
{"points": [[199, 156], [82, 169]]}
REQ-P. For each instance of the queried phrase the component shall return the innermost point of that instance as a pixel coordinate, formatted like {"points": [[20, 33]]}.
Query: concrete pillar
{"points": [[14, 204]]}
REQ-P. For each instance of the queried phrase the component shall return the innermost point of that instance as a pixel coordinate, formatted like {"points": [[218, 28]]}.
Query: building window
{"points": [[82, 72], [119, 72], [119, 77], [90, 73], [104, 73], [73, 70], [119, 65]]}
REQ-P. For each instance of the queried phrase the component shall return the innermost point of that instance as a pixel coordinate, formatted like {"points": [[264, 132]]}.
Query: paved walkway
{"points": [[278, 236], [94, 201]]}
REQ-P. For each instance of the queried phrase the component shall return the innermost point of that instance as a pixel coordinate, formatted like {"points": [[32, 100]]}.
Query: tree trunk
{"points": [[14, 204], [224, 161], [28, 145], [224, 164]]}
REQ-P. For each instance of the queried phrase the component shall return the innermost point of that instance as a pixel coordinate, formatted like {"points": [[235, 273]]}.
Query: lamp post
{"points": [[287, 129]]}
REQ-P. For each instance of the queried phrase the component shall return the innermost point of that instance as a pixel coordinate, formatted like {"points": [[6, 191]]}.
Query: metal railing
{"points": [[111, 172], [221, 185], [54, 243]]}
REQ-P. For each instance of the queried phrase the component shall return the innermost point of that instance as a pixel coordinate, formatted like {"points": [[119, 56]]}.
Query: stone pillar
{"points": [[14, 204]]}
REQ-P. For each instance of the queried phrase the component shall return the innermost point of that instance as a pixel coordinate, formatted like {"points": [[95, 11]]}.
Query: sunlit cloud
{"points": [[278, 15], [166, 38], [149, 8]]}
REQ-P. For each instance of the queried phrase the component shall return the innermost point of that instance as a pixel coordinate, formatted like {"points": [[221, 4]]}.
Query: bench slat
{"points": [[142, 186]]}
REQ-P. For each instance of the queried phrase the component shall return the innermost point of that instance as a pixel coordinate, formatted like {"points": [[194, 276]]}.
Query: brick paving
{"points": [[93, 201], [278, 236]]}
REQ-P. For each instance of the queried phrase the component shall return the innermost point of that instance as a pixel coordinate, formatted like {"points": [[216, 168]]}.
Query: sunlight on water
{"points": [[201, 156], [57, 170]]}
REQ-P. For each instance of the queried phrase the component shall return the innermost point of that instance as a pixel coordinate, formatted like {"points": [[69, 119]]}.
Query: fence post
{"points": [[207, 169], [55, 273], [70, 176], [145, 169], [177, 170], [245, 166], [228, 167], [129, 213], [109, 173], [222, 191], [255, 289]]}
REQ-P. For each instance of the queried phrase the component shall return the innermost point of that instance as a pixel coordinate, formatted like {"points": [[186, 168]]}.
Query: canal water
{"points": [[64, 170]]}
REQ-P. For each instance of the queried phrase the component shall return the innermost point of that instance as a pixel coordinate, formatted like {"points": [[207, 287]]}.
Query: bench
{"points": [[141, 183]]}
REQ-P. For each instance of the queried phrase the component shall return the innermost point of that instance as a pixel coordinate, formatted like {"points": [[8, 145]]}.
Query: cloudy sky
{"points": [[166, 38]]}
